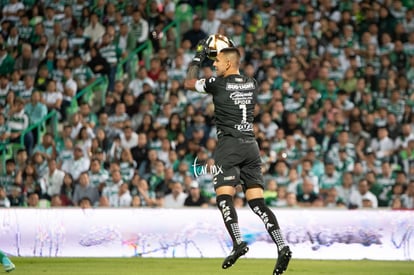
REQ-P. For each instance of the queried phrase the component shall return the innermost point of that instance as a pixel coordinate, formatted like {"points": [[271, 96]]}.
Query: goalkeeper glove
{"points": [[201, 51]]}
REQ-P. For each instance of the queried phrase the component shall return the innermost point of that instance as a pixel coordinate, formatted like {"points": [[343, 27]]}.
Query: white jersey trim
{"points": [[200, 85]]}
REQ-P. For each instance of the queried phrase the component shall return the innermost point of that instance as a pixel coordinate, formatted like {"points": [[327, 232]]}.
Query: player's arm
{"points": [[191, 81]]}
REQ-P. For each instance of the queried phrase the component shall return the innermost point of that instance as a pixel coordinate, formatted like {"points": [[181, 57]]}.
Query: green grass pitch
{"points": [[208, 266]]}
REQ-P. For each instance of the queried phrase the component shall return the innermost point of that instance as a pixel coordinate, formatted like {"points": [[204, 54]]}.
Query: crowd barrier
{"points": [[196, 233]]}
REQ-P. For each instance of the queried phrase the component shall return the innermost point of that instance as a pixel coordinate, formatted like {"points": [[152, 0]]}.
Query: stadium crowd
{"points": [[334, 117]]}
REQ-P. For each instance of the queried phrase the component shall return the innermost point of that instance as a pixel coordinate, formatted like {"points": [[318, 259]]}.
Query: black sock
{"points": [[269, 219], [227, 210]]}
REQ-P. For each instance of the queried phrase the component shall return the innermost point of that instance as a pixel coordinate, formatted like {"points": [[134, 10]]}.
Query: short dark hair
{"points": [[10, 161], [85, 199], [232, 50]]}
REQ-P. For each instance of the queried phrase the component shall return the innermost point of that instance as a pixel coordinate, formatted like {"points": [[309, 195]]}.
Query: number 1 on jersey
{"points": [[244, 112]]}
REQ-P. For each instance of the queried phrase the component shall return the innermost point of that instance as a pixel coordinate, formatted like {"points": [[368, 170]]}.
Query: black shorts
{"points": [[237, 161]]}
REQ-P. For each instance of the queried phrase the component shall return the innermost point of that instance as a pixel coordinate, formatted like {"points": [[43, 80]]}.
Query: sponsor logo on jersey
{"points": [[240, 86], [244, 126], [241, 98]]}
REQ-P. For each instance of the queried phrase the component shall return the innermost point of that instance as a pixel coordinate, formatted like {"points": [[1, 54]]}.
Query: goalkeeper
{"points": [[237, 152]]}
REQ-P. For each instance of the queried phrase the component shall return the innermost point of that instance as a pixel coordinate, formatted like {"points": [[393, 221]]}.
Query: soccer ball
{"points": [[216, 43]]}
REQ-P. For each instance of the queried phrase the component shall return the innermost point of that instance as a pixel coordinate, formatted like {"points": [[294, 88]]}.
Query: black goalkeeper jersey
{"points": [[234, 98]]}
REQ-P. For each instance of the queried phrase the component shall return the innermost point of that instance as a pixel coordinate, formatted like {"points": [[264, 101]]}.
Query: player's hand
{"points": [[201, 50]]}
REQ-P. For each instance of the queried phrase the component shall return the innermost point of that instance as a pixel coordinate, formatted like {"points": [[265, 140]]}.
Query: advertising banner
{"points": [[196, 233]]}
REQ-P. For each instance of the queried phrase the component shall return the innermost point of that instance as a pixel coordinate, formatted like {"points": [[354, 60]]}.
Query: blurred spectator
{"points": [[118, 119], [306, 172], [395, 195], [40, 165], [344, 162], [344, 144], [4, 88], [407, 198], [307, 196], [6, 61], [346, 189], [147, 198], [195, 34], [52, 98], [85, 203], [224, 12], [4, 200], [270, 194], [47, 147], [21, 159], [15, 197], [136, 85], [127, 165], [112, 53], [79, 163], [112, 190], [176, 198], [125, 198], [94, 30], [363, 198], [97, 175], [27, 179], [210, 24], [139, 31], [291, 200], [70, 88], [54, 179], [239, 200], [67, 190], [136, 201], [82, 74], [32, 200], [36, 110], [56, 201], [88, 118], [386, 179], [85, 189], [98, 64], [195, 198], [382, 144], [332, 199], [11, 10], [4, 130], [330, 179], [267, 126], [17, 122], [129, 138], [25, 63], [356, 132]]}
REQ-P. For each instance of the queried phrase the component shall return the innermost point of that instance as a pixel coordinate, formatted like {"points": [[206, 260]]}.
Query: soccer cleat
{"points": [[283, 260], [8, 265], [237, 252]]}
